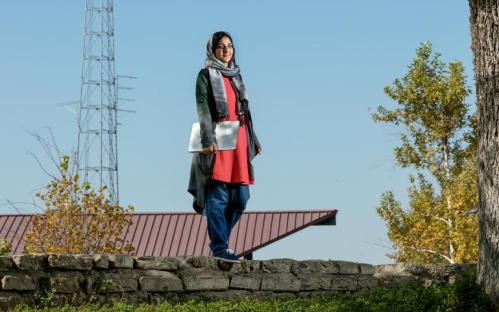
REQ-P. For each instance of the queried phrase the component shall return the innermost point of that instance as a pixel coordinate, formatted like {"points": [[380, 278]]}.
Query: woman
{"points": [[220, 180]]}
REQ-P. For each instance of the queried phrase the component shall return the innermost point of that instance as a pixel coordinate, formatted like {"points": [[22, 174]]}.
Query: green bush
{"points": [[464, 295], [468, 296]]}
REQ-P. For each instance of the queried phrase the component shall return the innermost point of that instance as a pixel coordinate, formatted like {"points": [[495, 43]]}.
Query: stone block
{"points": [[72, 299], [116, 282], [247, 266], [101, 261], [277, 265], [160, 281], [250, 266], [225, 266], [395, 281], [71, 262], [202, 279], [8, 300], [405, 269], [203, 262], [456, 269], [346, 267], [280, 282], [30, 262], [366, 269], [160, 297], [422, 269], [181, 261], [314, 266], [315, 281], [18, 281], [395, 275], [389, 269], [65, 282], [344, 282], [159, 284], [250, 282], [157, 263], [6, 264], [121, 261], [366, 283]]}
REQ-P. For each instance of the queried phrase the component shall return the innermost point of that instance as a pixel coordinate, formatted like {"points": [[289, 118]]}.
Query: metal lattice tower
{"points": [[97, 150]]}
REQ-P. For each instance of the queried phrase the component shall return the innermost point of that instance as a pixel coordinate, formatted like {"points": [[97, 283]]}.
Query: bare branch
{"points": [[14, 206], [416, 249], [429, 251], [37, 206], [47, 149], [379, 245], [54, 142], [448, 222], [74, 158], [36, 190], [41, 166], [472, 212]]}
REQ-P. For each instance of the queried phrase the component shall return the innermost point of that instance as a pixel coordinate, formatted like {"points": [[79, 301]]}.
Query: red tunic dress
{"points": [[231, 166]]}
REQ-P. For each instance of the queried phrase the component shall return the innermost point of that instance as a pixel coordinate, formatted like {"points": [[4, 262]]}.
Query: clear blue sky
{"points": [[313, 70]]}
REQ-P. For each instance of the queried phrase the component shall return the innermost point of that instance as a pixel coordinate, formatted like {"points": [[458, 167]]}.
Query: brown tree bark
{"points": [[484, 20]]}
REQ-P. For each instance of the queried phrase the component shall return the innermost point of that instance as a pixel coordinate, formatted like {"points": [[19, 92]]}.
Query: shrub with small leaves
{"points": [[78, 220], [5, 247]]}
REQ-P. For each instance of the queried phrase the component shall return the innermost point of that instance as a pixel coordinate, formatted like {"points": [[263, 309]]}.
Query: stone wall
{"points": [[78, 279], [394, 275]]}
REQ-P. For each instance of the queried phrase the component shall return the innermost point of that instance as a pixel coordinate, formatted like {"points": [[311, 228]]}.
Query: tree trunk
{"points": [[450, 219], [484, 20]]}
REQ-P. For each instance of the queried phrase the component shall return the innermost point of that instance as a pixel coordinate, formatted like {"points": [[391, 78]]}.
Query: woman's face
{"points": [[224, 50]]}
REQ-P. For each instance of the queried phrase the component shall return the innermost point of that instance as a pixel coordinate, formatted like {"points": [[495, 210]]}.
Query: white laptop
{"points": [[225, 134]]}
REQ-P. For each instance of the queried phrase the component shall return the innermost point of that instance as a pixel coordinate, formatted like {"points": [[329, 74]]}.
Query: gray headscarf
{"points": [[217, 70]]}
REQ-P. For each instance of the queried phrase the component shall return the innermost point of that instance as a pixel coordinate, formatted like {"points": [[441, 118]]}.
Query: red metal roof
{"points": [[185, 234]]}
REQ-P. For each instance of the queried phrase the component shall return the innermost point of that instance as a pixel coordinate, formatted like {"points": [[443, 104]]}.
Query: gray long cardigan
{"points": [[209, 114]]}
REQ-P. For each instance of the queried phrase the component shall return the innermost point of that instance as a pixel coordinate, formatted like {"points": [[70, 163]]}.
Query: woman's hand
{"points": [[212, 149], [258, 151]]}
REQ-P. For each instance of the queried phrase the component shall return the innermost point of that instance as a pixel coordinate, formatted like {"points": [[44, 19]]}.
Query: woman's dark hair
{"points": [[216, 40]]}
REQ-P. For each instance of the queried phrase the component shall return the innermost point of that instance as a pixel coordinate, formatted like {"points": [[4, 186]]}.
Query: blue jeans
{"points": [[224, 204]]}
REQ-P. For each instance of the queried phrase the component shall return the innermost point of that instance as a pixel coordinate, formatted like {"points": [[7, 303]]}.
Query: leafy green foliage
{"points": [[468, 296], [437, 141]]}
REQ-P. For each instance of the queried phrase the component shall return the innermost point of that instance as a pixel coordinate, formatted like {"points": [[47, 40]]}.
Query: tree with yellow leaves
{"points": [[77, 219], [439, 143]]}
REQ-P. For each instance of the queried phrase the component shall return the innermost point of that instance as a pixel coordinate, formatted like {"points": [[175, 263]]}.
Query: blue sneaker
{"points": [[227, 257]]}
